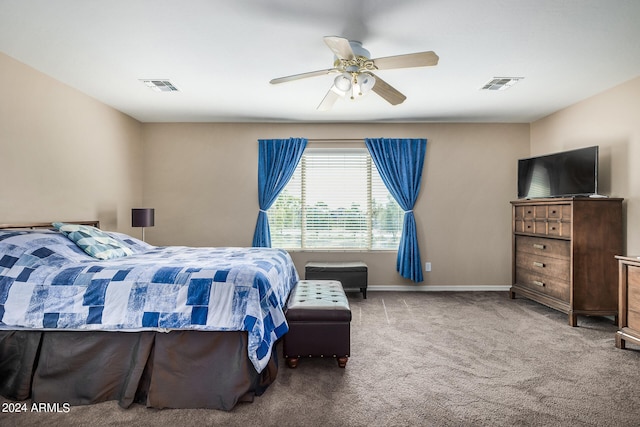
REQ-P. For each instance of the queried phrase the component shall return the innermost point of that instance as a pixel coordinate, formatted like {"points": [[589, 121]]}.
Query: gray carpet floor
{"points": [[430, 359]]}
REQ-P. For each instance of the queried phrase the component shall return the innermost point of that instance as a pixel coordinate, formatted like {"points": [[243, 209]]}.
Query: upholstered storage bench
{"points": [[319, 321], [352, 274]]}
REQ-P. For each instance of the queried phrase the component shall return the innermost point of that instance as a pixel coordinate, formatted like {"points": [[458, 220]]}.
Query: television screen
{"points": [[569, 173]]}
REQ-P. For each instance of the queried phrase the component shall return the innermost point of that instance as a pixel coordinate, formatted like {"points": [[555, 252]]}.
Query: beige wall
{"points": [[610, 120], [64, 156], [202, 180], [70, 157]]}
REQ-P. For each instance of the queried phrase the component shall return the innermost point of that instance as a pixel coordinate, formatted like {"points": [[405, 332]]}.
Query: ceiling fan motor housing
{"points": [[358, 50], [361, 59]]}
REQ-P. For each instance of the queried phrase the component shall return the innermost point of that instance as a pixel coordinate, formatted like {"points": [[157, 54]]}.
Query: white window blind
{"points": [[335, 200]]}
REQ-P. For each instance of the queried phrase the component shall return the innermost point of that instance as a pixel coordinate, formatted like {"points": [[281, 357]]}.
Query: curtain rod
{"points": [[334, 140]]}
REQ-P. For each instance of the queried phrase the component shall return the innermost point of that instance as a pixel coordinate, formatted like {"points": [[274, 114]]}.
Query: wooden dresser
{"points": [[629, 301], [564, 254]]}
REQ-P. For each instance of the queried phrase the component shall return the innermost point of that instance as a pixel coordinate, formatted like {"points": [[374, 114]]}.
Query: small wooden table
{"points": [[629, 301]]}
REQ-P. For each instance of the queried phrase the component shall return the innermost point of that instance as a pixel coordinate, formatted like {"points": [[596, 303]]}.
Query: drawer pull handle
{"points": [[538, 283], [538, 264], [538, 246]]}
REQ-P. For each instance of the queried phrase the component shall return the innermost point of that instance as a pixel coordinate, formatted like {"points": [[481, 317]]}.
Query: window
{"points": [[336, 200]]}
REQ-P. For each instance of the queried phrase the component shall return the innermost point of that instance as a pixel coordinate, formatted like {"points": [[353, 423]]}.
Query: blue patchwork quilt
{"points": [[47, 282]]}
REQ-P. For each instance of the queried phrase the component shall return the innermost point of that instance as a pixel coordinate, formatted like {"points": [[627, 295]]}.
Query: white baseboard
{"points": [[426, 288]]}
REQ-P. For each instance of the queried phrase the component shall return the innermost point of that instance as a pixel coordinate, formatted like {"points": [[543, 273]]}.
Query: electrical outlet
{"points": [[427, 266]]}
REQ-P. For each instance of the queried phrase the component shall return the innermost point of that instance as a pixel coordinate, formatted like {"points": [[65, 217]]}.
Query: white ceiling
{"points": [[221, 54]]}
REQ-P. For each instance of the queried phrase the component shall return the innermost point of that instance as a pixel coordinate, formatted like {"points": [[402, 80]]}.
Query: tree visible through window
{"points": [[335, 200]]}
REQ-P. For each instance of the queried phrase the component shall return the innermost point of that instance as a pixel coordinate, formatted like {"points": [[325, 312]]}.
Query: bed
{"points": [[167, 327]]}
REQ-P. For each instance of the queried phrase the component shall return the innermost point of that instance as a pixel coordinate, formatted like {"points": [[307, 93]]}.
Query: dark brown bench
{"points": [[352, 274], [319, 321]]}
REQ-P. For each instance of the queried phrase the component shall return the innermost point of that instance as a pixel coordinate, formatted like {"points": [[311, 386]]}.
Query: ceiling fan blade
{"points": [[340, 47], [329, 99], [388, 92], [419, 59], [304, 75]]}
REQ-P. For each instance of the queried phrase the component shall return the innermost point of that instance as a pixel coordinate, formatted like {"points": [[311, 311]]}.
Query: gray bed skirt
{"points": [[179, 369]]}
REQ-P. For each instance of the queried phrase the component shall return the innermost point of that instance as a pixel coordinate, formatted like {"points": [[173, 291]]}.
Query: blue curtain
{"points": [[400, 163], [277, 160]]}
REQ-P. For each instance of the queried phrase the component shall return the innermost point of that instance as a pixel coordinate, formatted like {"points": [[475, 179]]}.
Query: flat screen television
{"points": [[565, 174]]}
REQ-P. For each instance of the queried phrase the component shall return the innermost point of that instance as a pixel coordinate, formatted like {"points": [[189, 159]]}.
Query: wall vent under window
{"points": [[160, 85], [501, 83]]}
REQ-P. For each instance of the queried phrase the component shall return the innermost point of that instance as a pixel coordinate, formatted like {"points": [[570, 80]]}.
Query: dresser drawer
{"points": [[530, 212], [544, 211], [559, 228], [545, 247], [543, 227], [531, 226], [543, 265], [559, 212], [551, 286]]}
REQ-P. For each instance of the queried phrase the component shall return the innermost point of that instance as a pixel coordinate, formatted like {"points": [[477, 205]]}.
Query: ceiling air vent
{"points": [[501, 83], [160, 85]]}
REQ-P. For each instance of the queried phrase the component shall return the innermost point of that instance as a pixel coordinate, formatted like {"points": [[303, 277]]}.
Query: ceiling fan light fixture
{"points": [[362, 85], [367, 82], [343, 82]]}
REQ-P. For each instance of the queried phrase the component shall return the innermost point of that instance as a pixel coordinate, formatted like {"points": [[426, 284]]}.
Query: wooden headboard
{"points": [[33, 225]]}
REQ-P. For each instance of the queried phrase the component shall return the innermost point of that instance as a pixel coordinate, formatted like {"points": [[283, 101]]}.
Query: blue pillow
{"points": [[93, 241]]}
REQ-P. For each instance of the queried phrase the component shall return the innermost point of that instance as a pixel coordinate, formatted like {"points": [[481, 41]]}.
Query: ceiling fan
{"points": [[355, 67]]}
